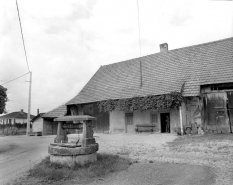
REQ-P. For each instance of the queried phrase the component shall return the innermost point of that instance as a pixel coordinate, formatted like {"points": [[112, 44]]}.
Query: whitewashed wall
{"points": [[37, 125], [117, 119]]}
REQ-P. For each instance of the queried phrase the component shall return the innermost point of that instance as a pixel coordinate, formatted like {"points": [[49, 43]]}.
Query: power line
{"points": [[139, 32], [15, 78], [22, 35], [139, 39]]}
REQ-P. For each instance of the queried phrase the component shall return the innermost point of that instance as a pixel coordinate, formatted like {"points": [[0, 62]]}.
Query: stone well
{"points": [[63, 152]]}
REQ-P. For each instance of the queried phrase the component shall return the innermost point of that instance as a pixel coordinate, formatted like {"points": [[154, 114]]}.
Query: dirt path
{"points": [[26, 152]]}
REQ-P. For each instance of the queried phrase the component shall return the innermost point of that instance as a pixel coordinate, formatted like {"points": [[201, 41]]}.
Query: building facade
{"points": [[202, 74]]}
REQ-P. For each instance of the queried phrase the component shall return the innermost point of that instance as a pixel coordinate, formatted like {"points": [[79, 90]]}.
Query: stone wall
{"points": [[193, 111]]}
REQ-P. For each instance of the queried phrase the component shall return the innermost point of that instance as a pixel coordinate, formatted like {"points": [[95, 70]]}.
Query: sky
{"points": [[68, 40]]}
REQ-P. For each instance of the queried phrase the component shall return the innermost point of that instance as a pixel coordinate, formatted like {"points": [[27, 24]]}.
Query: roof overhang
{"points": [[75, 118]]}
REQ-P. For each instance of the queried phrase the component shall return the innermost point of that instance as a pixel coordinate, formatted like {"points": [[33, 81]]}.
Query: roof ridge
{"points": [[196, 45], [205, 43], [55, 108]]}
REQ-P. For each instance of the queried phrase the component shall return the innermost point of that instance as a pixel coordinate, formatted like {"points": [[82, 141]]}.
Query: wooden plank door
{"points": [[215, 116]]}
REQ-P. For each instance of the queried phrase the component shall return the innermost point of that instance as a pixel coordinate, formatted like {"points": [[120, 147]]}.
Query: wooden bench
{"points": [[139, 128]]}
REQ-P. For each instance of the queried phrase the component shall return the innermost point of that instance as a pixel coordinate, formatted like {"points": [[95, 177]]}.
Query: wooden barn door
{"points": [[215, 112]]}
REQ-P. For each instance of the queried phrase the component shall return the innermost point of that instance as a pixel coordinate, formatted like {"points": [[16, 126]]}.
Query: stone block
{"points": [[72, 160], [88, 141], [65, 151]]}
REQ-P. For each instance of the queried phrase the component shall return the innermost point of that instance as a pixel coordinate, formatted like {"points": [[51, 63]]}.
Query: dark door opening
{"points": [[165, 122]]}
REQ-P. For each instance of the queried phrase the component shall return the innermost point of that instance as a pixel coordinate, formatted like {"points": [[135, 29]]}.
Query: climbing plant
{"points": [[3, 99], [152, 102]]}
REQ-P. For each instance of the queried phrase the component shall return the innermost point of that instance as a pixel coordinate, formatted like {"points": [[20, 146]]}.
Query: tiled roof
{"points": [[163, 72], [16, 115], [57, 112]]}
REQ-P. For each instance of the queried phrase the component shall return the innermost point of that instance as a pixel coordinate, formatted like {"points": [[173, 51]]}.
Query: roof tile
{"points": [[162, 73]]}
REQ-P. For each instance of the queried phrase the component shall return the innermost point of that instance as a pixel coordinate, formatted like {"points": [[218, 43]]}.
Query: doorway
{"points": [[129, 127], [165, 122]]}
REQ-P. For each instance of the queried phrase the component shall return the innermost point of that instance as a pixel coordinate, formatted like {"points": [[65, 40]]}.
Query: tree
{"points": [[3, 99]]}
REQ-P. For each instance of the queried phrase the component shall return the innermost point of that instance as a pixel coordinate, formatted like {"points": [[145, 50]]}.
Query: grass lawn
{"points": [[49, 173]]}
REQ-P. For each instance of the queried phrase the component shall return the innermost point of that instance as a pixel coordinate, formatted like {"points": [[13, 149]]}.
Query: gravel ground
{"points": [[213, 151], [207, 150]]}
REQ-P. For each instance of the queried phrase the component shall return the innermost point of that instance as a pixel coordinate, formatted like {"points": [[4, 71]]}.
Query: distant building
{"points": [[15, 117], [44, 123]]}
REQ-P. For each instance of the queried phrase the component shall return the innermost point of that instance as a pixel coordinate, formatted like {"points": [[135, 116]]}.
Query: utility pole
{"points": [[181, 121], [29, 105]]}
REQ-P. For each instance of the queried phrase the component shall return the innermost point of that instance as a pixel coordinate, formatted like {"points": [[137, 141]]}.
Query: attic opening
{"points": [[217, 87]]}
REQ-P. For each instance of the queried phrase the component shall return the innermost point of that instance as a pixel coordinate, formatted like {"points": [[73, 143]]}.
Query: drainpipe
{"points": [[181, 122]]}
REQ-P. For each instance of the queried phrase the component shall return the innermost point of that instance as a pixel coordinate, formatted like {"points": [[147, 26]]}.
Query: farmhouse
{"points": [[15, 117], [171, 89], [43, 123]]}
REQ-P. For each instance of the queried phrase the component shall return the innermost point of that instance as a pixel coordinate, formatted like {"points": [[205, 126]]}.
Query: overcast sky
{"points": [[67, 41]]}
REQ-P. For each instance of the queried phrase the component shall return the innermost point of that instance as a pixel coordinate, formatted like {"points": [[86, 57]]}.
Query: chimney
{"points": [[38, 112], [21, 111], [163, 47]]}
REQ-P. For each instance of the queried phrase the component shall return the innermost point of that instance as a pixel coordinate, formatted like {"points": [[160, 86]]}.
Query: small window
{"points": [[129, 118], [153, 118]]}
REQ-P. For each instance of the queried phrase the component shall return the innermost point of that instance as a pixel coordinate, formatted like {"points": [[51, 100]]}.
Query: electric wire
{"points": [[139, 31], [22, 36], [139, 41], [15, 78]]}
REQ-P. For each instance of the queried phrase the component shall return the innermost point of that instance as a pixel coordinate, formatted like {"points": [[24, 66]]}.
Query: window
{"points": [[129, 118], [153, 118]]}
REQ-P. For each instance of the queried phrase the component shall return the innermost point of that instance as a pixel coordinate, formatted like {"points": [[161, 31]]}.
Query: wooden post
{"points": [[61, 134], [29, 105], [125, 125], [181, 122], [59, 128], [87, 133]]}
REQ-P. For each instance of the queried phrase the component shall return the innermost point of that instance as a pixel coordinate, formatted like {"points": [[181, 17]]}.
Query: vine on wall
{"points": [[165, 101], [3, 99]]}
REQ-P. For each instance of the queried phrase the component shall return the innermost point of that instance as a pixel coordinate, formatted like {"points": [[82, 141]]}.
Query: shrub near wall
{"points": [[172, 100]]}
